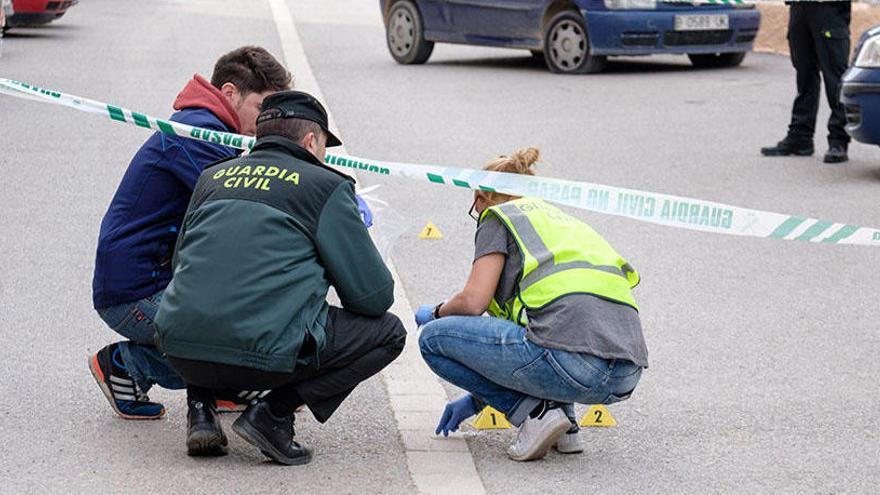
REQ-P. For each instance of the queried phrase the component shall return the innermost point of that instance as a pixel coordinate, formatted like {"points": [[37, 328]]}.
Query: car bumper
{"points": [[860, 95], [653, 32], [43, 7]]}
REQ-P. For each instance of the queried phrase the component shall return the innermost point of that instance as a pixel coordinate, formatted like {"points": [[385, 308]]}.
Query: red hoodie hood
{"points": [[199, 93]]}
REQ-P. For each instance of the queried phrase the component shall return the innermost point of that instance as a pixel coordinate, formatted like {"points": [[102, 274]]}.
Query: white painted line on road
{"points": [[436, 465]]}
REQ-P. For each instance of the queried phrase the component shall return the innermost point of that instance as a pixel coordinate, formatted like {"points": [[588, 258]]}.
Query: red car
{"points": [[33, 12]]}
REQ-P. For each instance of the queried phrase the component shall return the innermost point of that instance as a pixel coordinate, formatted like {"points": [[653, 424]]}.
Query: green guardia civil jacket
{"points": [[264, 237]]}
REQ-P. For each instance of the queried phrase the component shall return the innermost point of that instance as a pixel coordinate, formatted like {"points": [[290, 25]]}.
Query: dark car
{"points": [[35, 12], [860, 90], [575, 36]]}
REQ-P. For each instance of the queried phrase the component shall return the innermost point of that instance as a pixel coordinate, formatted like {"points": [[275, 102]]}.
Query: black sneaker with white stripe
{"points": [[238, 401], [117, 385]]}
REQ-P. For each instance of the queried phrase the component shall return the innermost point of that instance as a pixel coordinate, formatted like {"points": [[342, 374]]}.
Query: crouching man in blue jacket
{"points": [[140, 228], [264, 238]]}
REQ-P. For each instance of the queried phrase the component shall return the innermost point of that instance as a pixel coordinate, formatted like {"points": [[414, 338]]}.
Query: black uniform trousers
{"points": [[356, 348], [818, 38]]}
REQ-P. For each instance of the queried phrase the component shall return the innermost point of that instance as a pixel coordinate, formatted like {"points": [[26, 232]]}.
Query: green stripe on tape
{"points": [[461, 183], [140, 120], [843, 233], [116, 113], [786, 227], [165, 127], [814, 230], [436, 178], [487, 189]]}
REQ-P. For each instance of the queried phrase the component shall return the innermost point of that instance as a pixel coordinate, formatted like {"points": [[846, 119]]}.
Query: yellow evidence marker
{"points": [[490, 419], [598, 415], [431, 232]]}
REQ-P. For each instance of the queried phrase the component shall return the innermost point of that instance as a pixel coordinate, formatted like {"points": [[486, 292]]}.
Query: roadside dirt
{"points": [[774, 25]]}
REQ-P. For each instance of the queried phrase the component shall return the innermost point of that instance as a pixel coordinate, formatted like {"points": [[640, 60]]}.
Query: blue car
{"points": [[575, 36], [860, 90]]}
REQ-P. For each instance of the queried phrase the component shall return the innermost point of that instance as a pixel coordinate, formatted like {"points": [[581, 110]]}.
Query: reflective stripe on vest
{"points": [[569, 258]]}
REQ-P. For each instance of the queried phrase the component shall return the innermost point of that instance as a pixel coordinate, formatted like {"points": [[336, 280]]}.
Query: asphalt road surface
{"points": [[764, 370]]}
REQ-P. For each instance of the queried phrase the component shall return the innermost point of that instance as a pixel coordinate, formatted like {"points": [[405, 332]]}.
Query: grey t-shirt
{"points": [[574, 323]]}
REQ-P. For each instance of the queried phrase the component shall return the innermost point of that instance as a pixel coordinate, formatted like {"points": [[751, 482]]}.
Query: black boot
{"points": [[789, 146], [271, 434], [836, 154], [204, 435]]}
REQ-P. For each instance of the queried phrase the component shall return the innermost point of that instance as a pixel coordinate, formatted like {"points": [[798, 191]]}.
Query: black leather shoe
{"points": [[836, 154], [204, 435], [788, 147], [271, 434]]}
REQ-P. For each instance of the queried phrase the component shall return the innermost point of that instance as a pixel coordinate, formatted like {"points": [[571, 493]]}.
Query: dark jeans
{"points": [[357, 347], [143, 361], [818, 38]]}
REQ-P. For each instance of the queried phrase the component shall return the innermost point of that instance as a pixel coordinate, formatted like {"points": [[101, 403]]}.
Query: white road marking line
{"points": [[436, 465]]}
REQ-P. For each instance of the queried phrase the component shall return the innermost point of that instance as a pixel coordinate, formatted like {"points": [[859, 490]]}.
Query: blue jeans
{"points": [[492, 359], [143, 360]]}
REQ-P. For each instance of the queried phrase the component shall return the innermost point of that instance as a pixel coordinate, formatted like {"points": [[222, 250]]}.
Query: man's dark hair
{"points": [[252, 70], [293, 129]]}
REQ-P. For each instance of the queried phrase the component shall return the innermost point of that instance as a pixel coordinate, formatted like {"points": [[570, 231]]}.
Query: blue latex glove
{"points": [[424, 314], [456, 412], [364, 210]]}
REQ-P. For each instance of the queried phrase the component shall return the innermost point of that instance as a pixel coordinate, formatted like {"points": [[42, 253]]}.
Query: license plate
{"points": [[701, 22]]}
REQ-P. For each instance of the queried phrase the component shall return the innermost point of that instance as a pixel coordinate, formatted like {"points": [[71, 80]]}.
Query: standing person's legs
{"points": [[127, 370], [832, 48], [805, 61]]}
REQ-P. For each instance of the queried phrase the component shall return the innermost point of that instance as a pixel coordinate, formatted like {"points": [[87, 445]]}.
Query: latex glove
{"points": [[456, 412], [424, 314], [364, 210]]}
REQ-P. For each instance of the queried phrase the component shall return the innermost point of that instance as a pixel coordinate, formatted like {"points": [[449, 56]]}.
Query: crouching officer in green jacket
{"points": [[264, 237]]}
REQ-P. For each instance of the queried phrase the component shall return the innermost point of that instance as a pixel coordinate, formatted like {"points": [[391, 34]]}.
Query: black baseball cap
{"points": [[297, 105]]}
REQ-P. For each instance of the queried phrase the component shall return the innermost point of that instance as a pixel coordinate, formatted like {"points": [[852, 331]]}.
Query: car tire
{"points": [[405, 34], [717, 60], [567, 46]]}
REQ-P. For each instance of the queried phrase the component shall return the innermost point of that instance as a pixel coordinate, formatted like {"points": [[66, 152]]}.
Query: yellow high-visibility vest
{"points": [[560, 256]]}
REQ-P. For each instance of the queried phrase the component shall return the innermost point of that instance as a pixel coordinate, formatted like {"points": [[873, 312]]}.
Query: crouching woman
{"points": [[564, 327]]}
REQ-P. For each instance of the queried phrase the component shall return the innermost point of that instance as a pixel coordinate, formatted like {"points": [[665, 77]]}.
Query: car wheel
{"points": [[405, 35], [567, 46], [716, 60]]}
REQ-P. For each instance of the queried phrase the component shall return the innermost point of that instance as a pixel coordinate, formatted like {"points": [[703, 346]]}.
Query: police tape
{"points": [[657, 208]]}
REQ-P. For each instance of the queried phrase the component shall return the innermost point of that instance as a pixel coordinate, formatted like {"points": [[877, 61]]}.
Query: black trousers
{"points": [[818, 38], [357, 347]]}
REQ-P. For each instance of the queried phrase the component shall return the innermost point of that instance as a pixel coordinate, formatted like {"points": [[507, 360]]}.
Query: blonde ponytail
{"points": [[521, 162]]}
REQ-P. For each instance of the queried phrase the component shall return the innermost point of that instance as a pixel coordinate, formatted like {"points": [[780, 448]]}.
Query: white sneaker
{"points": [[571, 442], [537, 435]]}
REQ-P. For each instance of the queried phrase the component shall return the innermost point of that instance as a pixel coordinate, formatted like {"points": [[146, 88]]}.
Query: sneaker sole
{"points": [[99, 378], [228, 406], [255, 438], [539, 451], [206, 444], [565, 450]]}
